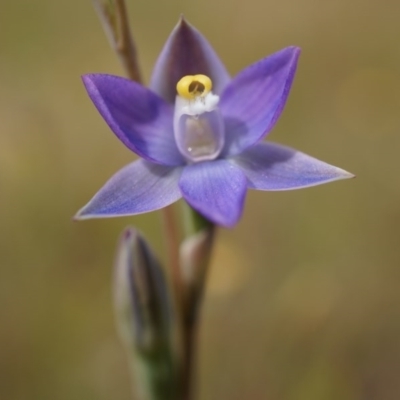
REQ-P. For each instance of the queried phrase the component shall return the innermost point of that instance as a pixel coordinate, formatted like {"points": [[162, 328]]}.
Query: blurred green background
{"points": [[303, 301]]}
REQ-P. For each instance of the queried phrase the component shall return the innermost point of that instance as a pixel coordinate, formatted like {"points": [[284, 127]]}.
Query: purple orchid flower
{"points": [[199, 133]]}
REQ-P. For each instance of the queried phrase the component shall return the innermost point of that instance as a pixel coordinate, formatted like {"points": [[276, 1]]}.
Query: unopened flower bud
{"points": [[141, 297], [144, 317]]}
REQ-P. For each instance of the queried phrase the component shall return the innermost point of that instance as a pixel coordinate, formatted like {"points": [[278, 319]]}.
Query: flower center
{"points": [[198, 125]]}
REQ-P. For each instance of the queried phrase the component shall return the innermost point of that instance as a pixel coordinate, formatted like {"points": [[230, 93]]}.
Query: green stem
{"points": [[195, 224], [193, 221]]}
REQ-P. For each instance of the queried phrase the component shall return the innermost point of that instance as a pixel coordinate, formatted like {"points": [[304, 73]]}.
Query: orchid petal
{"points": [[270, 166], [186, 52], [137, 188], [253, 101], [216, 189], [139, 118]]}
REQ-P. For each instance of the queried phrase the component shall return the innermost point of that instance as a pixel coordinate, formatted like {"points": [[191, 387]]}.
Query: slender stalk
{"points": [[200, 234], [189, 348], [172, 243], [190, 330], [114, 18]]}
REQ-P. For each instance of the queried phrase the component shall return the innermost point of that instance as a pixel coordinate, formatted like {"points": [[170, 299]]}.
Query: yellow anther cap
{"points": [[192, 86]]}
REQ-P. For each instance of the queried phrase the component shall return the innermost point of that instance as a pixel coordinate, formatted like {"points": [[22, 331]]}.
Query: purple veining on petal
{"points": [[270, 166], [216, 189], [138, 117], [186, 52], [137, 188], [253, 101]]}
